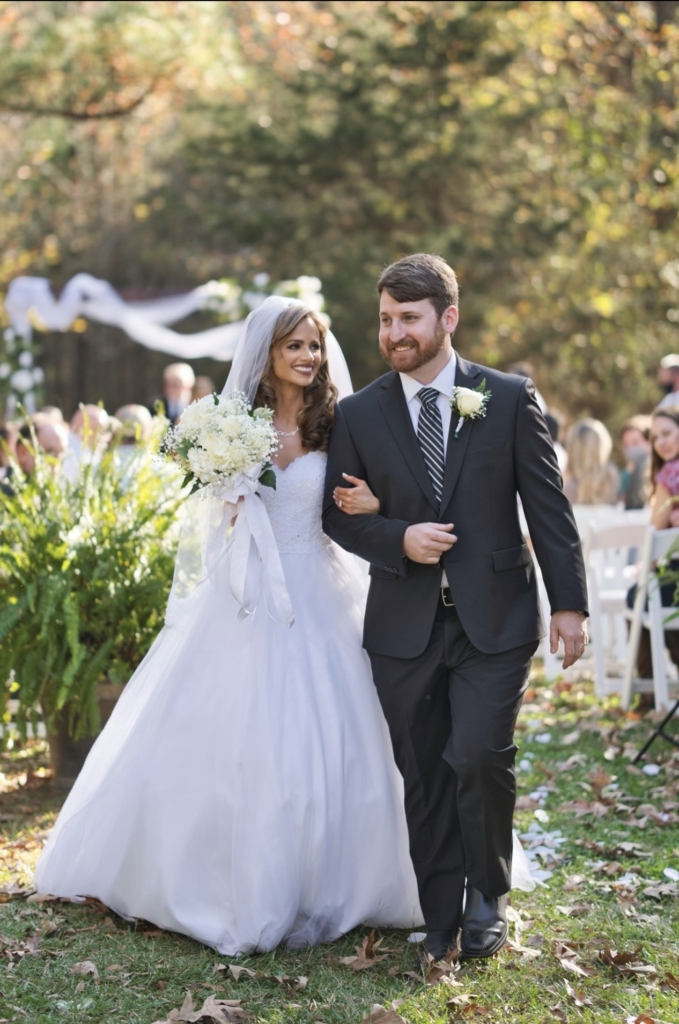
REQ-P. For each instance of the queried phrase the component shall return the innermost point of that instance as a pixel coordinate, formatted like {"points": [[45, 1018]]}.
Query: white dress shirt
{"points": [[670, 401], [444, 384]]}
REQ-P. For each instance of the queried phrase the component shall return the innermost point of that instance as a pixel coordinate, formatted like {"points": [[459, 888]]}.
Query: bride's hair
{"points": [[315, 419]]}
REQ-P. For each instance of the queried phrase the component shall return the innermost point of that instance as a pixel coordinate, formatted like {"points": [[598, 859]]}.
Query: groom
{"points": [[452, 620]]}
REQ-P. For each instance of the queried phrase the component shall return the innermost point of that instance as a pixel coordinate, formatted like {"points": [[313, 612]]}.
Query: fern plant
{"points": [[85, 570]]}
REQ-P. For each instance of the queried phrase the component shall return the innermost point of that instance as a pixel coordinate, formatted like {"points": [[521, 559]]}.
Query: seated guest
{"points": [[52, 413], [51, 437], [554, 428], [178, 382], [135, 425], [636, 449], [89, 432], [668, 379], [592, 479], [203, 386], [664, 514]]}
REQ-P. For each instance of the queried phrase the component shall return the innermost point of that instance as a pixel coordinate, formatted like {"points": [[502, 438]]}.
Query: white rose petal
{"points": [[468, 401]]}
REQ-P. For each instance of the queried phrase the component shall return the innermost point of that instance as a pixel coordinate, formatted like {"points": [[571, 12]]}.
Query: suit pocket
{"points": [[511, 558], [380, 573]]}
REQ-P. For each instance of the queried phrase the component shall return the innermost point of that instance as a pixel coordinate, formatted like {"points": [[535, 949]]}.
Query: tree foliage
{"points": [[534, 145]]}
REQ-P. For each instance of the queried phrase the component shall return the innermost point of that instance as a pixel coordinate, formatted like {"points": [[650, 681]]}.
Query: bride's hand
{"points": [[356, 500]]}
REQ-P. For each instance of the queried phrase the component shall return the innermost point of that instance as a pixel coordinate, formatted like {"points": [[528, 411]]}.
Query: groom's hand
{"points": [[426, 542], [571, 627]]}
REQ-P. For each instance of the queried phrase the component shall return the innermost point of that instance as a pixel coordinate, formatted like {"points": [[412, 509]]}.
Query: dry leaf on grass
{"points": [[442, 971], [366, 954], [383, 1015], [630, 965], [577, 910], [582, 807], [662, 889], [669, 983], [236, 972], [213, 1011], [566, 954], [84, 968], [578, 997]]}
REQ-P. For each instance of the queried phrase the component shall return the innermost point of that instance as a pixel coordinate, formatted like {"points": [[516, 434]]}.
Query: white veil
{"points": [[203, 540]]}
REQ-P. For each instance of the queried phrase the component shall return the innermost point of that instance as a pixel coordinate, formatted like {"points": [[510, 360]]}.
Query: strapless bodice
{"points": [[295, 506]]}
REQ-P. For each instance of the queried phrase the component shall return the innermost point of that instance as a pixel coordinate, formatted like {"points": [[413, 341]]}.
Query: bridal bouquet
{"points": [[221, 443]]}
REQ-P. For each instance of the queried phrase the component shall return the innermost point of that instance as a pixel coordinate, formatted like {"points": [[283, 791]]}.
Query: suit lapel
{"points": [[466, 376], [395, 408]]}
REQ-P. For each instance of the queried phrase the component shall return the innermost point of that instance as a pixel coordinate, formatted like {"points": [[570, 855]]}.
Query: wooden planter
{"points": [[67, 756]]}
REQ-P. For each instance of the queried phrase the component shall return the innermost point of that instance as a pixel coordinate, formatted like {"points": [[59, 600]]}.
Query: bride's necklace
{"points": [[286, 433]]}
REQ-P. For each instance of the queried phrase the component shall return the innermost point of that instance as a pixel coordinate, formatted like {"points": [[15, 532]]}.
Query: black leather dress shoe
{"points": [[484, 924], [437, 944]]}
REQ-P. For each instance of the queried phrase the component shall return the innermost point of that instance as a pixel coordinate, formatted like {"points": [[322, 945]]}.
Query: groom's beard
{"points": [[418, 355]]}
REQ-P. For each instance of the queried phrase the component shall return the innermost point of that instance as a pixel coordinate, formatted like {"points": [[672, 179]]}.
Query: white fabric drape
{"points": [[143, 322]]}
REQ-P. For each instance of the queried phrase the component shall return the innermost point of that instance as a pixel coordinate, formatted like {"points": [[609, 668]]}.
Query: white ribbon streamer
{"points": [[254, 562], [144, 322]]}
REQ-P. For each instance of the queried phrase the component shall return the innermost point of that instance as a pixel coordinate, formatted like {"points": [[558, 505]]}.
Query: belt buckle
{"points": [[446, 598]]}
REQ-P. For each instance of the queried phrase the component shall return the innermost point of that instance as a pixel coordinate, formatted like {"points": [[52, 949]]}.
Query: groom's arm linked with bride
{"points": [[453, 619]]}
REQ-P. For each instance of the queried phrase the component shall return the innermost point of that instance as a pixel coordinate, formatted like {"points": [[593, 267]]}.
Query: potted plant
{"points": [[85, 569]]}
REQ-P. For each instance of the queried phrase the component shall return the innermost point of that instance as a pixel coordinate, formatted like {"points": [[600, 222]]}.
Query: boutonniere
{"points": [[469, 404]]}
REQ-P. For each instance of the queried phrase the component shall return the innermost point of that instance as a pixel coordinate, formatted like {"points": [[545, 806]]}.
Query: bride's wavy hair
{"points": [[320, 397]]}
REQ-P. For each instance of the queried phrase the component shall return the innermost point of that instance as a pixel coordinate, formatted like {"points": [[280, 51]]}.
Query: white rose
{"points": [[468, 402], [231, 406]]}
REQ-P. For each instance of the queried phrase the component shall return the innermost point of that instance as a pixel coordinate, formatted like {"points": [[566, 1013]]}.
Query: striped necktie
{"points": [[430, 436]]}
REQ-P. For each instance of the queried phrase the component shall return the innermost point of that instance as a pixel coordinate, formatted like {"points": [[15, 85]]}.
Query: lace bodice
{"points": [[295, 506]]}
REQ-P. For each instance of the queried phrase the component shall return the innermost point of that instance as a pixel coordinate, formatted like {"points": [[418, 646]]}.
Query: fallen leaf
{"points": [[582, 807], [80, 987], [570, 738], [577, 910], [575, 760], [442, 971], [574, 882], [578, 997], [237, 972], [610, 753], [598, 778], [662, 889], [381, 1015], [366, 954], [84, 968], [213, 1011], [630, 965], [526, 803]]}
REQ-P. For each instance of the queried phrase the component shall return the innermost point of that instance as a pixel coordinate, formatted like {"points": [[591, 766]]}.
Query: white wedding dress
{"points": [[244, 791]]}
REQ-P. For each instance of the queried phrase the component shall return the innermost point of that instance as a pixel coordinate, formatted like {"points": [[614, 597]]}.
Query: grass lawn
{"points": [[608, 895]]}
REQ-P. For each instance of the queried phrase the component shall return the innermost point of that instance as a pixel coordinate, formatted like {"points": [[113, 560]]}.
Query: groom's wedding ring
{"points": [[339, 503]]}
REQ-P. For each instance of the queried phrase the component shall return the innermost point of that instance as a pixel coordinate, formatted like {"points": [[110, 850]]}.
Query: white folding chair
{"points": [[610, 553], [657, 545]]}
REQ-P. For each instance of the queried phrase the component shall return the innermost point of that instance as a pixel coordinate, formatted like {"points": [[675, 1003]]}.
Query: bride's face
{"points": [[298, 358]]}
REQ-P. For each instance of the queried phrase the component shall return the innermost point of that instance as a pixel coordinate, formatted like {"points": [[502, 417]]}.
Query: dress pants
{"points": [[451, 714]]}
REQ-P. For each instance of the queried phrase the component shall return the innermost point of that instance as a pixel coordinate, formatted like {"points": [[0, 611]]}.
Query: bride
{"points": [[244, 792]]}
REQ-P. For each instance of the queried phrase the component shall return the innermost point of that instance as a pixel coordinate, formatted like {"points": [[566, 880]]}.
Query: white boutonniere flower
{"points": [[469, 404]]}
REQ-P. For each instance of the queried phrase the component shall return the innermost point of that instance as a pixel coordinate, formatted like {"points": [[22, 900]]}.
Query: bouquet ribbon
{"points": [[254, 563]]}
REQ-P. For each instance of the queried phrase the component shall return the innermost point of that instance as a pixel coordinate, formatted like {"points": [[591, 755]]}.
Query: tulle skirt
{"points": [[244, 791]]}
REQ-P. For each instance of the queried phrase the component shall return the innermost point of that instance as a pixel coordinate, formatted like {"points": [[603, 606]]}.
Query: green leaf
{"points": [[268, 478]]}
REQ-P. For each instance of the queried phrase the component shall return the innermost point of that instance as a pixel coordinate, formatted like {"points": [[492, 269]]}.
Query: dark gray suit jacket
{"points": [[490, 569]]}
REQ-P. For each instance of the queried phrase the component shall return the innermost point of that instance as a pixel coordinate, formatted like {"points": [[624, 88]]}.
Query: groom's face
{"points": [[411, 333]]}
